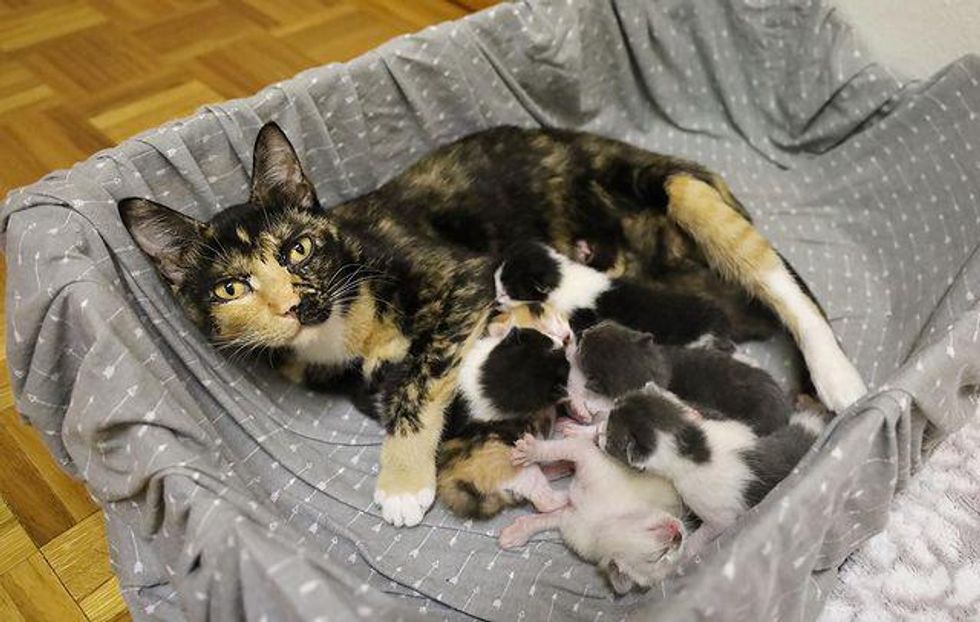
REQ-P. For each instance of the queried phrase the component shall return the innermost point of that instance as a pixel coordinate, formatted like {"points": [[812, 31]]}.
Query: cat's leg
{"points": [[413, 408], [741, 254], [413, 415], [520, 531], [702, 206]]}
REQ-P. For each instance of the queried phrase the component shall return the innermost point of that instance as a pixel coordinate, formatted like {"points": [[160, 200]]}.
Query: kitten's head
{"points": [[640, 549], [256, 274], [616, 359], [651, 429], [528, 272], [525, 372]]}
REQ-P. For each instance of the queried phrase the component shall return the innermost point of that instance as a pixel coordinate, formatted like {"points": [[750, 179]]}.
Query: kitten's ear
{"points": [[277, 175], [167, 236], [620, 581]]}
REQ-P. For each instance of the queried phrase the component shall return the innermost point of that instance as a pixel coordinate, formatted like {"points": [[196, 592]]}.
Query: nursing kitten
{"points": [[388, 290], [612, 360], [624, 521], [533, 272], [719, 466]]}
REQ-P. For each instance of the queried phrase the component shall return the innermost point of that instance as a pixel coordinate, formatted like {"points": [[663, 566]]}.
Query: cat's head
{"points": [[259, 273]]}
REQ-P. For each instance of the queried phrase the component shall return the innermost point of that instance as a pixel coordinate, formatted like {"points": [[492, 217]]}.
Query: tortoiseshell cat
{"points": [[385, 292]]}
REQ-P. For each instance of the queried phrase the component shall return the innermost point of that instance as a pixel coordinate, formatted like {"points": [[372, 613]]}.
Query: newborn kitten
{"points": [[612, 360], [720, 467], [518, 367], [533, 271], [617, 518]]}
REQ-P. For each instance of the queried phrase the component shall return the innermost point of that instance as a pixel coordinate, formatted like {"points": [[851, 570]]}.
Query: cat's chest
{"points": [[324, 344]]}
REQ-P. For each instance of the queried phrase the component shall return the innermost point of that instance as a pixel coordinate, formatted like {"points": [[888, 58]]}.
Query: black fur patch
{"points": [[692, 444], [630, 434], [673, 318], [524, 373], [737, 390], [529, 272], [582, 319]]}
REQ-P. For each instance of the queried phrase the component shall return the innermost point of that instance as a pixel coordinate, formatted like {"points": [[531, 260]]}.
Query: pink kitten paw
{"points": [[514, 535], [524, 451]]}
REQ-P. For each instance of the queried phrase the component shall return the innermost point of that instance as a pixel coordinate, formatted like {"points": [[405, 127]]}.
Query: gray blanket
{"points": [[229, 493]]}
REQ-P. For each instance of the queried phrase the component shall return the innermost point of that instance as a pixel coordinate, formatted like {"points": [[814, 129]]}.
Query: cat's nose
{"points": [[292, 312]]}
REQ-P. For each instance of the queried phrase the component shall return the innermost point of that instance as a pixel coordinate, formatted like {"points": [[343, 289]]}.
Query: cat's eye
{"points": [[300, 250], [231, 289]]}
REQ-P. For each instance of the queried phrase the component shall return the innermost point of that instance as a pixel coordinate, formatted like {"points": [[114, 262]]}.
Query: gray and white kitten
{"points": [[611, 360], [719, 466]]}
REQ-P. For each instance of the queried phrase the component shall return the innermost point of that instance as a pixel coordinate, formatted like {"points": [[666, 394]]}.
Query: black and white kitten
{"points": [[720, 466], [535, 272]]}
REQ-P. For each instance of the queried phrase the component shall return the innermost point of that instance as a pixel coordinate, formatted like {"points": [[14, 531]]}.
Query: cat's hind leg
{"points": [[734, 248]]}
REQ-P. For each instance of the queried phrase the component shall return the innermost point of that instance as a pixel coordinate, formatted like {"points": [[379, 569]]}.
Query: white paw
{"points": [[405, 508], [837, 381]]}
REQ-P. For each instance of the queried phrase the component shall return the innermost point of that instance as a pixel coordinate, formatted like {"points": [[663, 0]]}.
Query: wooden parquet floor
{"points": [[77, 76]]}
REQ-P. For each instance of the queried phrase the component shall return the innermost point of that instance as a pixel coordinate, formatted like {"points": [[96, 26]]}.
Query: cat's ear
{"points": [[167, 236], [277, 175], [620, 581]]}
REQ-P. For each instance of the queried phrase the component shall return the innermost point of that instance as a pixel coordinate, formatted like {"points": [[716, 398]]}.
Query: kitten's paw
{"points": [[524, 450], [404, 509], [569, 429], [514, 535], [578, 410]]}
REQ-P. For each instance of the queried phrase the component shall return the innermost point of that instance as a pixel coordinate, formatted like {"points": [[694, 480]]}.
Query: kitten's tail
{"points": [[810, 415]]}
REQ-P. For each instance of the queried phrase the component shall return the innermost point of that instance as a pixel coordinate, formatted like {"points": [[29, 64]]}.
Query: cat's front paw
{"points": [[406, 486], [405, 508]]}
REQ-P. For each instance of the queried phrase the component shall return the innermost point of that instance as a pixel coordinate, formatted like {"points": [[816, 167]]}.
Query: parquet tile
{"points": [[77, 76], [35, 591], [80, 557], [105, 604]]}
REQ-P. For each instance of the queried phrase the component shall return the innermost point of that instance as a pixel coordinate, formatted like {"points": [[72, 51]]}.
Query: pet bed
{"points": [[231, 494]]}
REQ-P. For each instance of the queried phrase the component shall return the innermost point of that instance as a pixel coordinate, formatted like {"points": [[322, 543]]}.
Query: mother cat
{"points": [[381, 295]]}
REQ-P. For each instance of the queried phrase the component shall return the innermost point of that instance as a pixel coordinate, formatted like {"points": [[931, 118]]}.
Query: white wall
{"points": [[915, 37]]}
